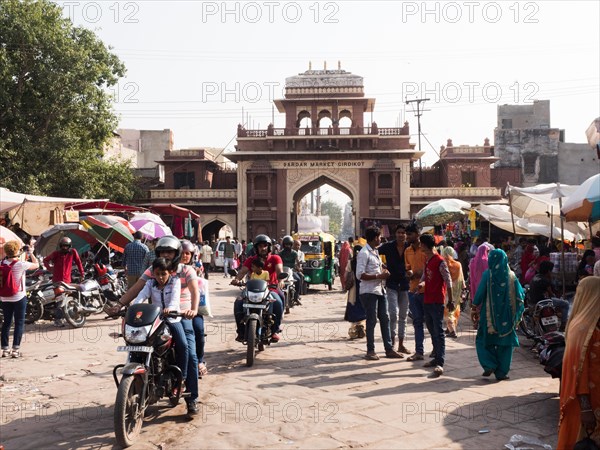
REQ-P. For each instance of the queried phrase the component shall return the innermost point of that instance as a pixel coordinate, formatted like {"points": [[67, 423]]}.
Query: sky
{"points": [[194, 66]]}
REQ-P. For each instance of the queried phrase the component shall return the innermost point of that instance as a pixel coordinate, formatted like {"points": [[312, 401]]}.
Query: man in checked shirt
{"points": [[436, 280], [133, 258]]}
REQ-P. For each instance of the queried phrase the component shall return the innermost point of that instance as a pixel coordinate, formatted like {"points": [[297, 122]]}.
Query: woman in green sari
{"points": [[501, 298]]}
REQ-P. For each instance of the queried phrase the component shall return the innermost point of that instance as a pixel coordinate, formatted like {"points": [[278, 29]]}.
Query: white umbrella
{"points": [[442, 211]]}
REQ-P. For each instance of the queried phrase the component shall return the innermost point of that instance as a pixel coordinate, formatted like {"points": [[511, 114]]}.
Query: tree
{"points": [[55, 110], [334, 211]]}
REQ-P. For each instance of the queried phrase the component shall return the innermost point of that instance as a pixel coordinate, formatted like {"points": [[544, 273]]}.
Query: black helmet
{"points": [[287, 240], [262, 239], [169, 243], [187, 246], [65, 242]]}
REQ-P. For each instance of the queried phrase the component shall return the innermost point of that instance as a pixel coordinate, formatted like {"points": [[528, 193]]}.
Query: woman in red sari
{"points": [[345, 254], [526, 259], [580, 382]]}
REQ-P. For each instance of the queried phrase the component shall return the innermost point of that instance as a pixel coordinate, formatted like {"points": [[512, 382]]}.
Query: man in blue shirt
{"points": [[397, 286], [133, 258]]}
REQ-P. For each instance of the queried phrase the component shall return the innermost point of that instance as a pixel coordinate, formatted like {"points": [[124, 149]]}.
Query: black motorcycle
{"points": [[539, 319], [150, 371], [551, 349], [258, 321]]}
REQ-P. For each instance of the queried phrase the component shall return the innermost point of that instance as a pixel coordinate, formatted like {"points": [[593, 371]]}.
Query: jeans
{"points": [[415, 303], [181, 344], [227, 264], [376, 308], [434, 319], [275, 308], [16, 309], [206, 266], [398, 310], [191, 380], [198, 323]]}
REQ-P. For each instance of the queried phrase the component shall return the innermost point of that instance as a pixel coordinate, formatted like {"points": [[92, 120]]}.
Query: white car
{"points": [[218, 254]]}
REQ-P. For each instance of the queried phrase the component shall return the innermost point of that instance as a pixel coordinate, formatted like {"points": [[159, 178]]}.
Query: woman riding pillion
{"points": [[169, 247], [188, 257], [272, 264]]}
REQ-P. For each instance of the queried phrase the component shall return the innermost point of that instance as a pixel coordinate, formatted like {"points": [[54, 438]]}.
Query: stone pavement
{"points": [[312, 390]]}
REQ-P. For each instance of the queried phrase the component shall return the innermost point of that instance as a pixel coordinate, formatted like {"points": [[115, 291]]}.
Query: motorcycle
{"points": [[257, 318], [551, 349], [112, 284], [539, 319], [150, 371], [78, 301], [289, 290]]}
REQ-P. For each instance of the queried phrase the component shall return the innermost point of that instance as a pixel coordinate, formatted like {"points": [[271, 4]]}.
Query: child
{"points": [[165, 290], [257, 271]]}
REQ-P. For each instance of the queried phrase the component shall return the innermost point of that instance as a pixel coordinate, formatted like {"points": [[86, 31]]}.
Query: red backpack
{"points": [[9, 284]]}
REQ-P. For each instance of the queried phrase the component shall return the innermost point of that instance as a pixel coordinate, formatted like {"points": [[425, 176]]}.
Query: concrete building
{"points": [[525, 139]]}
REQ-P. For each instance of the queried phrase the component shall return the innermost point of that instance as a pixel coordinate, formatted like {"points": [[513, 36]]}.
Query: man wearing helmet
{"points": [[273, 264], [290, 259], [170, 248], [61, 261]]}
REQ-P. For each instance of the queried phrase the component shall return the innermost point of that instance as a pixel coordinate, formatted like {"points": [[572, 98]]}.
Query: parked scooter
{"points": [[112, 284], [150, 371]]}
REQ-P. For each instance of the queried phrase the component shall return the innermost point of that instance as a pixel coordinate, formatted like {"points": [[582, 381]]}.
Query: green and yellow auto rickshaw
{"points": [[319, 249]]}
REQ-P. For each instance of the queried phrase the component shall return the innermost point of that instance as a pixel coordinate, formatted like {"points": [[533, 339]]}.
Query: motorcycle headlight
{"points": [[136, 335], [255, 297]]}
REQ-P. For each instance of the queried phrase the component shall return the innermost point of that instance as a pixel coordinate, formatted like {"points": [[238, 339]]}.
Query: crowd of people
{"points": [[384, 281], [412, 273]]}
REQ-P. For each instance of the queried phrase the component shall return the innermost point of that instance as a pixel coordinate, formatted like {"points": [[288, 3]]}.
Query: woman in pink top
{"points": [[477, 266]]}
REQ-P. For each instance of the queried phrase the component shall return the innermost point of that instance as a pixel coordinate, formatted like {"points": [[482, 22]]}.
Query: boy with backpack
{"points": [[13, 296]]}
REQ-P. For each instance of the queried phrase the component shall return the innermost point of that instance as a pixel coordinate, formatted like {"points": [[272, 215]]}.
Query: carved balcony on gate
{"points": [[193, 194]]}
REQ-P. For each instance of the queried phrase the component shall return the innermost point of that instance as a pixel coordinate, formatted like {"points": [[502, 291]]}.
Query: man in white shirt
{"points": [[206, 252], [370, 272]]}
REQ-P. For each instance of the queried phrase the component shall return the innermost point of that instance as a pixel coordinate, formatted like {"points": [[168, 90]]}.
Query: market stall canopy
{"points": [[442, 211], [7, 235], [108, 230], [151, 225], [542, 199], [35, 213], [102, 207], [172, 210], [584, 203], [81, 240]]}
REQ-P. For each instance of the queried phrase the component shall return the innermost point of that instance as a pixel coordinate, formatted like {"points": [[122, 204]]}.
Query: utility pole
{"points": [[419, 113]]}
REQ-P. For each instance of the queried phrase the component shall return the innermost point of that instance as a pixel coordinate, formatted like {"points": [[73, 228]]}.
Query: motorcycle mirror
{"points": [[282, 276], [115, 335], [232, 272]]}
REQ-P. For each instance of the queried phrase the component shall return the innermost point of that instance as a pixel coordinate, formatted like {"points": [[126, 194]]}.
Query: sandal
{"points": [[16, 354], [5, 353], [202, 370], [416, 357]]}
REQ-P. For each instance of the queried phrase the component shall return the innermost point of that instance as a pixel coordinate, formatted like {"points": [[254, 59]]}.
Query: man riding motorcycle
{"points": [[291, 260], [273, 264]]}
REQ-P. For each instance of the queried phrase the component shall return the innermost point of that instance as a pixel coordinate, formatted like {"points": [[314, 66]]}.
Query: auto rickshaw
{"points": [[318, 251]]}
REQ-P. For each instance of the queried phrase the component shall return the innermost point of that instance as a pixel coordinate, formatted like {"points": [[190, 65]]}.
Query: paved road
{"points": [[312, 390]]}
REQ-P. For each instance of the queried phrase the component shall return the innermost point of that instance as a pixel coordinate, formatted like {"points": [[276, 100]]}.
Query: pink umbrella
{"points": [[7, 235], [151, 225]]}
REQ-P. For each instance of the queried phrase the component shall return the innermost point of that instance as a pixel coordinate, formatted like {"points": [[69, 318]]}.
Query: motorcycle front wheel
{"points": [[34, 310], [251, 342], [129, 413], [73, 314]]}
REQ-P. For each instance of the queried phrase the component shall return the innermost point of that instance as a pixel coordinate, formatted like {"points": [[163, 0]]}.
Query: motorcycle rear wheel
{"points": [[526, 326], [129, 414], [34, 311], [251, 343], [72, 312]]}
